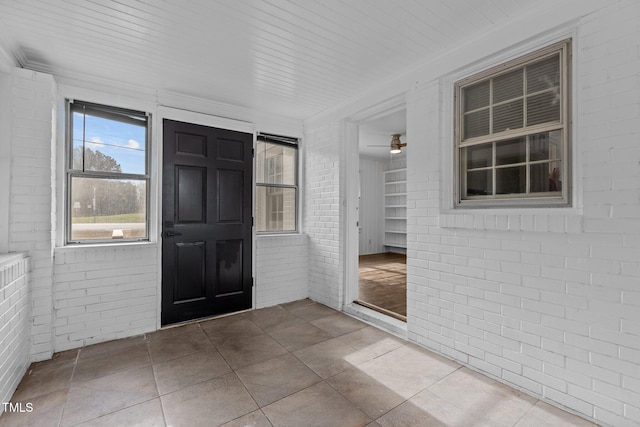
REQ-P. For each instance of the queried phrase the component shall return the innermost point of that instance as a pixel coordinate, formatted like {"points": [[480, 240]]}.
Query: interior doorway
{"points": [[382, 215]]}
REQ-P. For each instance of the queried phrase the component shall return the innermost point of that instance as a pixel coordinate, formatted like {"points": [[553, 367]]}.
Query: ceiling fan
{"points": [[395, 147]]}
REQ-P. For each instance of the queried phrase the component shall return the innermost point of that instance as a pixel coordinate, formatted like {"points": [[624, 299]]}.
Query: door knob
{"points": [[171, 234]]}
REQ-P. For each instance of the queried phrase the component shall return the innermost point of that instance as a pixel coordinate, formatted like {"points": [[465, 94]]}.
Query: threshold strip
{"points": [[381, 310]]}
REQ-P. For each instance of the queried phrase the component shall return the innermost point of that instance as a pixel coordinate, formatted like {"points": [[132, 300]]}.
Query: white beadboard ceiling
{"points": [[295, 58]]}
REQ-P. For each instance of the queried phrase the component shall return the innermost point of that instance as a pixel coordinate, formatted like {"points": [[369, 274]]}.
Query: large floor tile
{"points": [[188, 370], [178, 343], [274, 318], [172, 330], [545, 415], [301, 303], [311, 311], [101, 396], [254, 419], [102, 364], [331, 357], [372, 340], [427, 409], [44, 378], [300, 336], [59, 357], [365, 392], [483, 397], [210, 403], [147, 414], [408, 370], [338, 324], [231, 328], [250, 351], [276, 378], [46, 411], [319, 405], [120, 345]]}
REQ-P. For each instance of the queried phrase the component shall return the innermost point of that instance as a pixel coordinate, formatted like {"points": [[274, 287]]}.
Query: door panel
{"points": [[230, 184], [191, 192], [190, 271], [191, 144], [207, 221], [231, 150], [229, 263]]}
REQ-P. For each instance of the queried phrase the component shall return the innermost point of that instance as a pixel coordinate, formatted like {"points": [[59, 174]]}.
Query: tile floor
{"points": [[297, 364]]}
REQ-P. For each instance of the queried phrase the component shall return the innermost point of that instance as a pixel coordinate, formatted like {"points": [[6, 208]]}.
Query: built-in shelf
{"points": [[395, 208]]}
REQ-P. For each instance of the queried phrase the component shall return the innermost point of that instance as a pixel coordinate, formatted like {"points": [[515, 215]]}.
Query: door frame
{"points": [[351, 155], [204, 120]]}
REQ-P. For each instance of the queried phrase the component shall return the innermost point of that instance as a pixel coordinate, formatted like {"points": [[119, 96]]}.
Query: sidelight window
{"points": [[512, 132], [107, 174], [276, 183]]}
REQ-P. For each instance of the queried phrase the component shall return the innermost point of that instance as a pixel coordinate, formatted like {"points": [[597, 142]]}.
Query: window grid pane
{"points": [[275, 209], [513, 166], [107, 174], [276, 187], [107, 208], [526, 96], [511, 131]]}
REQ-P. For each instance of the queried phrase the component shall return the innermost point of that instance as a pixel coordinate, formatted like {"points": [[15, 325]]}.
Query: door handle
{"points": [[171, 234]]}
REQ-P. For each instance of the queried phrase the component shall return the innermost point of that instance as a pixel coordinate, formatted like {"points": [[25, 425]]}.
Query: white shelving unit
{"points": [[395, 209]]}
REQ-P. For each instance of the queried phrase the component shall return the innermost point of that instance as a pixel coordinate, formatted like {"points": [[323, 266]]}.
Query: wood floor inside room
{"points": [[383, 283]]}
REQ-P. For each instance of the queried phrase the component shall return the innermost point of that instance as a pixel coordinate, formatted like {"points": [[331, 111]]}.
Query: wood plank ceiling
{"points": [[296, 58]]}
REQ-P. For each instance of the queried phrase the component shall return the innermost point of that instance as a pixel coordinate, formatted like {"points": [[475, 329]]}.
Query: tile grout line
{"points": [[68, 388], [115, 373], [526, 413], [155, 380], [260, 408]]}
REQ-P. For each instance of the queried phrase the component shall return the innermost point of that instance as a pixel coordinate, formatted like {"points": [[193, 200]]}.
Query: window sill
{"points": [[76, 246], [560, 220], [279, 235]]}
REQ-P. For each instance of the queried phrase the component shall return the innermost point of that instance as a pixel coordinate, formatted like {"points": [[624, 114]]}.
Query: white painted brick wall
{"points": [[14, 323], [282, 269], [548, 303], [322, 214], [31, 218], [104, 293]]}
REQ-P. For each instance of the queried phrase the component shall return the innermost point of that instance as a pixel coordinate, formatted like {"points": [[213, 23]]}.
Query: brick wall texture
{"points": [[14, 323], [549, 303]]}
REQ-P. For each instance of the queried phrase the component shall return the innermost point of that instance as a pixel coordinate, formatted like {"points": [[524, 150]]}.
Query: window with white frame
{"points": [[512, 132], [107, 174], [276, 183]]}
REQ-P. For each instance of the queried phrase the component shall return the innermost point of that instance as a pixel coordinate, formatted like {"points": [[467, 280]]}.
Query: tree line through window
{"points": [[107, 174]]}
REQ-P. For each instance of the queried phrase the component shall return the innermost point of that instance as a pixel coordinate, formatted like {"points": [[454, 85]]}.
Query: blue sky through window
{"points": [[124, 142]]}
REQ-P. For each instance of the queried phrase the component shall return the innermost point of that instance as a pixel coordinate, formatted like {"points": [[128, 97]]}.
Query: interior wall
{"points": [[5, 155], [371, 209], [281, 270], [113, 291], [15, 323], [323, 219], [545, 300], [88, 294], [32, 194]]}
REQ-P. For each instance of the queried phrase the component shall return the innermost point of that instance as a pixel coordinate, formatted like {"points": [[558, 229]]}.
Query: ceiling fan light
{"points": [[396, 145]]}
